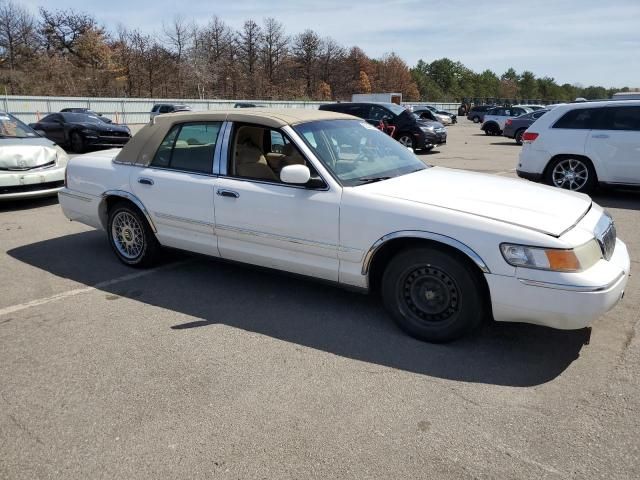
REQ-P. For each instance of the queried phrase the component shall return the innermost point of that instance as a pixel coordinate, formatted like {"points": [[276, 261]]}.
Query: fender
{"points": [[133, 199], [452, 242]]}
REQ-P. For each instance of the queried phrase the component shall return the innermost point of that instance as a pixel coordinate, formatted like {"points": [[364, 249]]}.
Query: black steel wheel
{"points": [[432, 294]]}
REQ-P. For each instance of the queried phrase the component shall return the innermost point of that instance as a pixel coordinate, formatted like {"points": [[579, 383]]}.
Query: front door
{"points": [[263, 221], [177, 188]]}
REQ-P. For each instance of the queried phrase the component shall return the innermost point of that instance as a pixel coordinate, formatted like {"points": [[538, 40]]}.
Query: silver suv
{"points": [[494, 119]]}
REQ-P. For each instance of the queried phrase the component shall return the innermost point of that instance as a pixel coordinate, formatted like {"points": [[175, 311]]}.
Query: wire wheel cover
{"points": [[430, 294], [570, 174], [127, 235]]}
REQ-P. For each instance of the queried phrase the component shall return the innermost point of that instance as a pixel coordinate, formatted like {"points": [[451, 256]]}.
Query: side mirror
{"points": [[295, 174]]}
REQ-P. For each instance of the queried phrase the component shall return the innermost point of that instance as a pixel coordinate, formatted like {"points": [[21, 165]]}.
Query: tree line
{"points": [[65, 52]]}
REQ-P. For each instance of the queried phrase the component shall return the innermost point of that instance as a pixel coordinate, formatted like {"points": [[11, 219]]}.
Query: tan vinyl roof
{"points": [[141, 148]]}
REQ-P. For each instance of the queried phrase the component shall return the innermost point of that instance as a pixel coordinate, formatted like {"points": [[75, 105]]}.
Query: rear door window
{"points": [[189, 147]]}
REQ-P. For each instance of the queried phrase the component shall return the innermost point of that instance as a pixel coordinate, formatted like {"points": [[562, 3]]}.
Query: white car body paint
{"points": [[332, 233]]}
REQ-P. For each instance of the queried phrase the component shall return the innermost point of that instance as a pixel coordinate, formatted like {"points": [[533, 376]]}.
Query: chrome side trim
{"points": [[76, 196], [135, 200], [572, 288], [174, 218], [283, 238], [452, 242]]}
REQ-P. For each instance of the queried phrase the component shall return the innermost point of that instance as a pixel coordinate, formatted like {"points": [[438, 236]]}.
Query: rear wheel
{"points": [[432, 294], [77, 143], [476, 119], [131, 236], [570, 173], [518, 136]]}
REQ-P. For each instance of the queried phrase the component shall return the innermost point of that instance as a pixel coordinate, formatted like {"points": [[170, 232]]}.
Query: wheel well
{"points": [[567, 155], [108, 203], [390, 249]]}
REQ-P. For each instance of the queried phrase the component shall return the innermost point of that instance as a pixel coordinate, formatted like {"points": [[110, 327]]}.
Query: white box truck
{"points": [[377, 97]]}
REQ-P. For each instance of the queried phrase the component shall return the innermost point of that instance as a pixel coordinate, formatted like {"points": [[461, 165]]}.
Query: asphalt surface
{"points": [[203, 369]]}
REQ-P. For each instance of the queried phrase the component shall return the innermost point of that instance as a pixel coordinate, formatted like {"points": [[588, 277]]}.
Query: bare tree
{"points": [[274, 50], [178, 35], [306, 48], [18, 41], [249, 41]]}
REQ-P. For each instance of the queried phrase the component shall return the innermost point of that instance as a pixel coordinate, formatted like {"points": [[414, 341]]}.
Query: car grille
{"points": [[606, 235], [34, 187]]}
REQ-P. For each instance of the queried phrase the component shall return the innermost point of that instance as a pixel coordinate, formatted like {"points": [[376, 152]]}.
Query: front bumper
{"points": [[31, 184], [431, 139], [564, 304], [106, 141]]}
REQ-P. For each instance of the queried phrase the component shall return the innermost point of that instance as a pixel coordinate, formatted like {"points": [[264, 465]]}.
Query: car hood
{"points": [[101, 127], [429, 123], [23, 154], [545, 209]]}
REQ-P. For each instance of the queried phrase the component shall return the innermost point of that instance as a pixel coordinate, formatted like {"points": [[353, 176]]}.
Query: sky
{"points": [[586, 42]]}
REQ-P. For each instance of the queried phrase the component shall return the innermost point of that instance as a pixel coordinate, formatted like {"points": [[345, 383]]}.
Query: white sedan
{"points": [[327, 195], [30, 165]]}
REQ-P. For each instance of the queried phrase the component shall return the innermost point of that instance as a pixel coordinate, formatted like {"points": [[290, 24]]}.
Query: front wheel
{"points": [[406, 140], [77, 143], [432, 294], [131, 237], [574, 174]]}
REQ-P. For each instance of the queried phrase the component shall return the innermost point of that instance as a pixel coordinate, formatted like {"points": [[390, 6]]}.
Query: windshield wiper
{"points": [[372, 179]]}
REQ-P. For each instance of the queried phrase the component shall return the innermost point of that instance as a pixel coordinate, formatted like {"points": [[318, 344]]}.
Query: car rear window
{"points": [[623, 118]]}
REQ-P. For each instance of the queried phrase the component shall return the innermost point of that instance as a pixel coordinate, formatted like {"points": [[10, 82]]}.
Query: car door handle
{"points": [[145, 181], [600, 135], [228, 193]]}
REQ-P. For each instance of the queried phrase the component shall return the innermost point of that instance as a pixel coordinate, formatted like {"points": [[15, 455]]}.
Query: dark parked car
{"points": [[477, 113], [160, 108], [81, 130], [515, 127], [86, 110], [404, 126]]}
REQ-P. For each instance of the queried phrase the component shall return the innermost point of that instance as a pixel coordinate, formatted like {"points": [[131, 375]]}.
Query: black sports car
{"points": [[81, 130]]}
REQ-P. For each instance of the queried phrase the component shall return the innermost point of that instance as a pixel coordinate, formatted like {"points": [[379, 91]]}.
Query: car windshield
{"points": [[11, 127], [81, 118], [357, 152]]}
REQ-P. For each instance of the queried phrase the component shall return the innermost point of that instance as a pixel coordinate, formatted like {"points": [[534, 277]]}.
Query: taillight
{"points": [[508, 122], [529, 136]]}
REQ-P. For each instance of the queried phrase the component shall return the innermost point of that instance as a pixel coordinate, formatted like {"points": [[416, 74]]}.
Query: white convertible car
{"points": [[329, 196]]}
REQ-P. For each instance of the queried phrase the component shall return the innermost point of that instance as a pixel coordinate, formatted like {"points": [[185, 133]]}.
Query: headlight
{"points": [[554, 259], [61, 157], [427, 129]]}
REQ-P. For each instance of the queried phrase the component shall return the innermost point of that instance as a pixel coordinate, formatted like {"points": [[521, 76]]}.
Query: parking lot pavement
{"points": [[203, 369]]}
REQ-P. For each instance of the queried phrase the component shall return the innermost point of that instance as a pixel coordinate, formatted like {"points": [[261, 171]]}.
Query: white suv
{"points": [[494, 119], [580, 145]]}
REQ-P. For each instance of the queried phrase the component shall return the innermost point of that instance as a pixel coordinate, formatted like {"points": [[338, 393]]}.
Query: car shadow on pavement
{"points": [[307, 313], [614, 198], [511, 143], [26, 204]]}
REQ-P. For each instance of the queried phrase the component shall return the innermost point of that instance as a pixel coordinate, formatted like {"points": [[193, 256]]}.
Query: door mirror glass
{"points": [[295, 174]]}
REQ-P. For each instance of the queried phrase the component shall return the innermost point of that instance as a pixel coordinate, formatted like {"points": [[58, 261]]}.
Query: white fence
{"points": [[136, 110]]}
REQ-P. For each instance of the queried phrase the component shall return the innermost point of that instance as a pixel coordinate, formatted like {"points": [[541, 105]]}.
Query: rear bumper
{"points": [[565, 306], [534, 177]]}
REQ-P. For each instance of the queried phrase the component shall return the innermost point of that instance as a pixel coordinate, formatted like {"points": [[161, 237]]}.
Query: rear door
{"points": [[614, 144], [54, 128], [177, 188], [570, 132]]}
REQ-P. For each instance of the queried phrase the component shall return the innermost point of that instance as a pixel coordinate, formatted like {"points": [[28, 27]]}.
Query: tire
{"points": [[78, 144], [131, 237], [432, 294], [476, 119], [518, 136], [407, 140], [572, 173], [492, 130]]}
